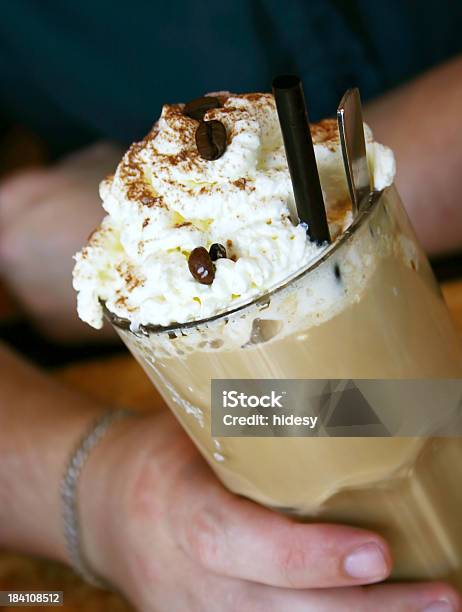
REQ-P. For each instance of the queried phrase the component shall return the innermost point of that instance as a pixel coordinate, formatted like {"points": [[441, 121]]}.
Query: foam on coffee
{"points": [[165, 200]]}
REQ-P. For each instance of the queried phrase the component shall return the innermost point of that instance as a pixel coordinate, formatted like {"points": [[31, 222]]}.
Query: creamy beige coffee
{"points": [[365, 307]]}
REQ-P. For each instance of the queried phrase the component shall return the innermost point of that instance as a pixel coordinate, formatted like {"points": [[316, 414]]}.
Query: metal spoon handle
{"points": [[350, 125]]}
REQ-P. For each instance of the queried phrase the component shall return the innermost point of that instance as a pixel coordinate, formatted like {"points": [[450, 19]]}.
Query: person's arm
{"points": [[159, 526], [40, 423], [421, 122], [46, 215]]}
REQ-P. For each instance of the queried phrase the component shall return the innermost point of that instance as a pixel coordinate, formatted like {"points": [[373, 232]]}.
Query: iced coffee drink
{"points": [[206, 274]]}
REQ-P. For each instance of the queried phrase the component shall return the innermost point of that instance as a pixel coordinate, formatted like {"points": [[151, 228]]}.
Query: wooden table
{"points": [[127, 386]]}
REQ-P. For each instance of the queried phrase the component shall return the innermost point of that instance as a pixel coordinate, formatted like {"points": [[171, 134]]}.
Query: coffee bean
{"points": [[197, 108], [201, 266], [217, 251], [211, 139]]}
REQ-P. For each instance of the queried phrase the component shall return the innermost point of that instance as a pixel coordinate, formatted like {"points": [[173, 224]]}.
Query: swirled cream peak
{"points": [[164, 200]]}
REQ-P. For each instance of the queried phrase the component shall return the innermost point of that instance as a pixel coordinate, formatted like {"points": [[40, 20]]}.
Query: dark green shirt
{"points": [[76, 71]]}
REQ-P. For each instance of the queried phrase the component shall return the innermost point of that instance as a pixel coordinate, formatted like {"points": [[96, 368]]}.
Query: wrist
{"points": [[32, 469], [100, 495], [126, 481]]}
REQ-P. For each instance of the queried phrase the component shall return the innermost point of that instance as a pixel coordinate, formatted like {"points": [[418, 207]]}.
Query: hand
{"points": [[46, 216], [160, 527]]}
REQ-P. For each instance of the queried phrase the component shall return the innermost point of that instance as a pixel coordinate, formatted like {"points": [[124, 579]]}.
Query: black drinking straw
{"points": [[293, 117]]}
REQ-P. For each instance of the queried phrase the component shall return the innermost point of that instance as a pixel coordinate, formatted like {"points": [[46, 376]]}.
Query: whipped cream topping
{"points": [[164, 200]]}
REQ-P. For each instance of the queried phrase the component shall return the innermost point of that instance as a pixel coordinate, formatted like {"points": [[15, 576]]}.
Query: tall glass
{"points": [[369, 308]]}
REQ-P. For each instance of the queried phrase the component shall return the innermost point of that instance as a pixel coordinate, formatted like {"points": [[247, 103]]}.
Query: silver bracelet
{"points": [[72, 526]]}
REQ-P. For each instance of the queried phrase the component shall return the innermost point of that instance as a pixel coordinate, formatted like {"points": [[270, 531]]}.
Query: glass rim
{"points": [[149, 328]]}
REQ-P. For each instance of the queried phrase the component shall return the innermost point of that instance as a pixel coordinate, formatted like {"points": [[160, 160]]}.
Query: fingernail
{"points": [[442, 605], [367, 561]]}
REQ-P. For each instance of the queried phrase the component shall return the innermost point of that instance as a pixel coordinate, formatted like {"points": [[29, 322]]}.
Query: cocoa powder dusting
{"points": [[337, 212], [132, 175], [240, 183], [325, 132], [131, 170], [93, 234], [131, 280]]}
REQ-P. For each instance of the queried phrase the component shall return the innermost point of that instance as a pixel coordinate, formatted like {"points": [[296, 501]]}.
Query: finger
{"points": [[410, 597], [237, 538]]}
